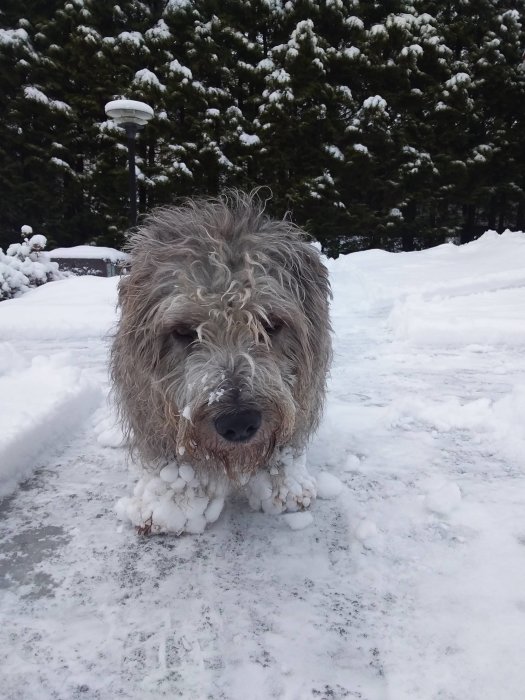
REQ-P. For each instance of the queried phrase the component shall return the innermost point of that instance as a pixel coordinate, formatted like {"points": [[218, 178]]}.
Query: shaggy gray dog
{"points": [[219, 362]]}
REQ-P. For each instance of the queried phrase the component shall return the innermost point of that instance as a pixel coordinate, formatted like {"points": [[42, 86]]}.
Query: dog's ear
{"points": [[314, 285], [122, 287], [312, 348], [309, 276], [313, 272]]}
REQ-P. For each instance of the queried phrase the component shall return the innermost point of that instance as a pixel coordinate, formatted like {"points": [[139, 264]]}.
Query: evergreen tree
{"points": [[16, 51], [393, 124], [299, 123]]}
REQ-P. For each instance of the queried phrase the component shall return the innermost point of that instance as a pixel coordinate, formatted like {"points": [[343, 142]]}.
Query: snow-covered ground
{"points": [[409, 584]]}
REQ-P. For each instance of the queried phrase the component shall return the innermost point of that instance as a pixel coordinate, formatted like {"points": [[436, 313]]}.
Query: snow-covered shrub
{"points": [[24, 266]]}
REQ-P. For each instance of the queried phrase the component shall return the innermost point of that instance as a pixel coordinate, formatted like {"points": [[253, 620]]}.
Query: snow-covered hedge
{"points": [[23, 266]]}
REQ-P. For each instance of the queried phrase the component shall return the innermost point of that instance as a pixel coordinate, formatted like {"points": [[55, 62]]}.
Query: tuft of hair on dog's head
{"points": [[224, 310]]}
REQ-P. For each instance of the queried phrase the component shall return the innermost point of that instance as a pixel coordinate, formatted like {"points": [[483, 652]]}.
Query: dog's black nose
{"points": [[240, 426]]}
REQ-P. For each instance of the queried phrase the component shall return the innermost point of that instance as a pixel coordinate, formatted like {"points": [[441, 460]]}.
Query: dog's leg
{"points": [[285, 486], [173, 499]]}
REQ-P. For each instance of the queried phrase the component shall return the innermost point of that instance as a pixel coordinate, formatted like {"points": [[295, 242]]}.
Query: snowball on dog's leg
{"points": [[285, 487], [173, 501]]}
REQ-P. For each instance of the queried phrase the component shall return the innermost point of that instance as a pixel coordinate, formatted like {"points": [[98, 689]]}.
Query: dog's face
{"points": [[229, 361], [225, 325]]}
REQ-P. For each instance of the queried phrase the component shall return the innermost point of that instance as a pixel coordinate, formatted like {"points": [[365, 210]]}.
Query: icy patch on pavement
{"points": [[43, 402]]}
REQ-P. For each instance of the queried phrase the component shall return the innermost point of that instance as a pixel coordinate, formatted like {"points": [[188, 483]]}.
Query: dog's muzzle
{"points": [[238, 426]]}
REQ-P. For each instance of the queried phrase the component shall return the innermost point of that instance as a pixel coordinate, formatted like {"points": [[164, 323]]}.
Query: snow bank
{"points": [[44, 399], [42, 403], [485, 318], [77, 307], [447, 295], [492, 261]]}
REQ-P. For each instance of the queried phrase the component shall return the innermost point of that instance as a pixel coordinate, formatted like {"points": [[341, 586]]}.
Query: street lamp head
{"points": [[131, 115], [124, 112]]}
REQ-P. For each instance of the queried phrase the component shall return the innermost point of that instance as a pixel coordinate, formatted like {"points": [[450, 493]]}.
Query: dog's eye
{"points": [[273, 326], [185, 334]]}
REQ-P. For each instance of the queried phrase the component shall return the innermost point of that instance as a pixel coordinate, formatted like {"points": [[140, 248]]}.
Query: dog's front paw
{"points": [[289, 491], [298, 493], [172, 502]]}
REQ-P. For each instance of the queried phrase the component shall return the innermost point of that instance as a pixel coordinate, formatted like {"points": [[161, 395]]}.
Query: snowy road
{"points": [[409, 585]]}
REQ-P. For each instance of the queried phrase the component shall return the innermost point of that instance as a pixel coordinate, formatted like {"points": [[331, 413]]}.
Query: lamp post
{"points": [[131, 116]]}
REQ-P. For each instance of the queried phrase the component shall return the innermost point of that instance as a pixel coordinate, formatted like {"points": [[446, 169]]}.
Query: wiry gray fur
{"points": [[222, 270]]}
